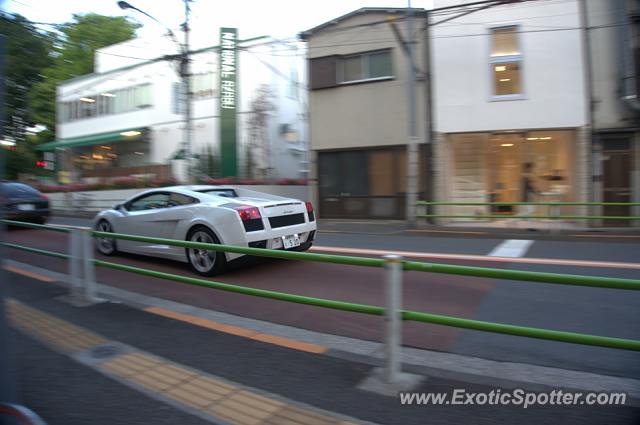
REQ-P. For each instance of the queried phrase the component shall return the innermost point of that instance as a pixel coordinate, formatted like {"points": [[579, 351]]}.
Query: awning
{"points": [[94, 139]]}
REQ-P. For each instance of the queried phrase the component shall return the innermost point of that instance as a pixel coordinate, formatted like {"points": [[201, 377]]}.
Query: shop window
{"points": [[506, 63], [107, 103]]}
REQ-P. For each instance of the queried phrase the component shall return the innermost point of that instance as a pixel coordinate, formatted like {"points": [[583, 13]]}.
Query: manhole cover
{"points": [[105, 351]]}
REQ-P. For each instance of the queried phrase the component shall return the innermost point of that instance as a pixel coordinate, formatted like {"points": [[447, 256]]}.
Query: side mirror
{"points": [[120, 207]]}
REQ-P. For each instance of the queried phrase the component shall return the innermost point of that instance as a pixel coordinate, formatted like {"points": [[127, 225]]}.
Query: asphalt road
{"points": [[588, 310], [65, 392]]}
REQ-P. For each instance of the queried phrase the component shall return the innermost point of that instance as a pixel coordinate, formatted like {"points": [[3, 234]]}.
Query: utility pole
{"points": [[185, 74], [184, 71], [412, 145]]}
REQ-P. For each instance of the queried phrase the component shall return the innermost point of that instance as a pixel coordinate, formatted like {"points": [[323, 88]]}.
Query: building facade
{"points": [[358, 115], [613, 41], [127, 118], [502, 95], [510, 103]]}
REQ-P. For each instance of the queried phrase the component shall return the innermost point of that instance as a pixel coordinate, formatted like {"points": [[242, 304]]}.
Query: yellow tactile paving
{"points": [[210, 396], [150, 382], [55, 332], [180, 384], [211, 386], [190, 398], [261, 402], [175, 372], [238, 331]]}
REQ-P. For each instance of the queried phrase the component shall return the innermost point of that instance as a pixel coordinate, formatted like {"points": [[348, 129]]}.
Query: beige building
{"points": [[358, 114]]}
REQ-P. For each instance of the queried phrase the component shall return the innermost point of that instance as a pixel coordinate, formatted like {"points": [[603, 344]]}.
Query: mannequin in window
{"points": [[528, 191]]}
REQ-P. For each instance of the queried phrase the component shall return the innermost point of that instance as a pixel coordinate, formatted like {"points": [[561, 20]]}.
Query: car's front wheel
{"points": [[105, 246], [205, 262]]}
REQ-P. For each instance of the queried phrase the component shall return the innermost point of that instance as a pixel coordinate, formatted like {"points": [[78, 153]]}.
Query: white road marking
{"points": [[467, 257], [513, 248]]}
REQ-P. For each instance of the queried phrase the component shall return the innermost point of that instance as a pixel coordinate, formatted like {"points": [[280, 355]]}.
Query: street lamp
{"points": [[185, 75]]}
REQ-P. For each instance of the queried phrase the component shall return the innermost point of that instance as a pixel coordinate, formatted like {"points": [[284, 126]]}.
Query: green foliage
{"points": [[83, 36], [22, 159], [208, 164], [27, 53], [74, 51]]}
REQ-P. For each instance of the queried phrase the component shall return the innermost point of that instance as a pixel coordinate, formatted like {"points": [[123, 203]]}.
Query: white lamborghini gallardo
{"points": [[210, 214]]}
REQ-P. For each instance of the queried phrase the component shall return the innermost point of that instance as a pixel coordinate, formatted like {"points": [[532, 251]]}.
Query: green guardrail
{"points": [[577, 280], [35, 250], [484, 272], [50, 227], [527, 217], [606, 204], [407, 315], [259, 252]]}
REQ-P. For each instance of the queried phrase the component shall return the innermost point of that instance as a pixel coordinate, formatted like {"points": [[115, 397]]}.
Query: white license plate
{"points": [[26, 207], [290, 241]]}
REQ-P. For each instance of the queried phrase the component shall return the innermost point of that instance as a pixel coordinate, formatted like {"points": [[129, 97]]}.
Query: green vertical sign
{"points": [[228, 89]]}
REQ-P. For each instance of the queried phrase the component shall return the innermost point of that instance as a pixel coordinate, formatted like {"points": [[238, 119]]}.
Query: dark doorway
{"points": [[366, 183], [616, 168]]}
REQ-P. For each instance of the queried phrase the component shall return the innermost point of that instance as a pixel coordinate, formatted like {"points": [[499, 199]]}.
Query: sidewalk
{"points": [[500, 228], [113, 363]]}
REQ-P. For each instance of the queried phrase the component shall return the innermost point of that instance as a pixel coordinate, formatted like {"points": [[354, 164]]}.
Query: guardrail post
{"points": [[82, 276], [75, 266], [393, 319], [88, 268]]}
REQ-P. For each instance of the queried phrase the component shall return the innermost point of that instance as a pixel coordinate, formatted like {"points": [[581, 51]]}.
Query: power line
{"points": [[22, 4], [485, 34], [273, 68]]}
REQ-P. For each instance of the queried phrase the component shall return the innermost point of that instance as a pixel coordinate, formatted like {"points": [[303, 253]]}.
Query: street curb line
{"points": [[239, 331]]}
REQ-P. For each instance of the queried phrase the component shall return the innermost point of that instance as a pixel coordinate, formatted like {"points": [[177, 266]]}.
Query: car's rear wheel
{"points": [[205, 262], [105, 246]]}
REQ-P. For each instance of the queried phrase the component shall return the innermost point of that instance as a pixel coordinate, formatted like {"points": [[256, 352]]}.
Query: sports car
{"points": [[211, 214]]}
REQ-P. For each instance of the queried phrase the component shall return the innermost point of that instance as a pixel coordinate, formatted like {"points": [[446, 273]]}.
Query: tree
{"points": [[258, 160], [208, 165], [75, 48], [27, 54]]}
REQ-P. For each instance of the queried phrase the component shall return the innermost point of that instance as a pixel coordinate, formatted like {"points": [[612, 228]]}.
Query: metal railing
{"points": [[394, 266], [551, 216]]}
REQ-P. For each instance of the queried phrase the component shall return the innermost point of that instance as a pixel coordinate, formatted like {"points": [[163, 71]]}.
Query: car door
{"points": [[144, 217]]}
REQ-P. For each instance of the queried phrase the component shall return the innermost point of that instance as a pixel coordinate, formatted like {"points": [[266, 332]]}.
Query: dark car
{"points": [[23, 203]]}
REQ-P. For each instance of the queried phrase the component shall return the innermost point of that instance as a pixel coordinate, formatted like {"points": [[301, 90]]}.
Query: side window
{"points": [[149, 202], [178, 199]]}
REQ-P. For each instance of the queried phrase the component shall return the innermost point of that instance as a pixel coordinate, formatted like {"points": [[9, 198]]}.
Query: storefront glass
{"points": [[490, 167]]}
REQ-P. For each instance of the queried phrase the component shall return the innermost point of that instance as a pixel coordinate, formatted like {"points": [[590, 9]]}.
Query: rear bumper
{"points": [[35, 215], [272, 238]]}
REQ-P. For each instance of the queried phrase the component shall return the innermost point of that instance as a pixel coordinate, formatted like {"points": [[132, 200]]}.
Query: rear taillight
{"points": [[43, 196], [309, 206], [247, 212]]}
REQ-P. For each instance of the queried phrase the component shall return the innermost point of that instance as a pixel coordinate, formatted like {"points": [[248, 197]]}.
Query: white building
{"points": [[510, 90], [127, 117]]}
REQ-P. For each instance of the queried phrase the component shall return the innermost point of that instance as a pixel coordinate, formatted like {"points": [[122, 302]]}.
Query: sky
{"points": [[277, 18]]}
